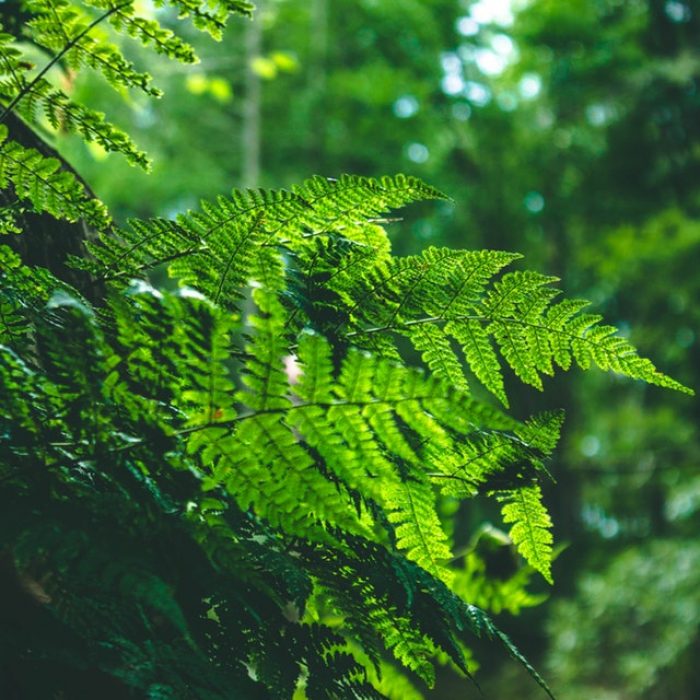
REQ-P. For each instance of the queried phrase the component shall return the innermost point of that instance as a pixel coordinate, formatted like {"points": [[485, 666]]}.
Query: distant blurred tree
{"points": [[620, 102]]}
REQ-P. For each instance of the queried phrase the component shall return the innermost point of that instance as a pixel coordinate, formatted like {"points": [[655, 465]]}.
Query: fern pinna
{"points": [[247, 473], [246, 488]]}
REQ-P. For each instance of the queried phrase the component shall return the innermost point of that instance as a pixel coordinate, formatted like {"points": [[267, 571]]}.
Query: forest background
{"points": [[569, 131]]}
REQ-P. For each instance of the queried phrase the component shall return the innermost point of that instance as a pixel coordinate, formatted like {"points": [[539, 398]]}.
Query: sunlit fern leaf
{"points": [[346, 205], [43, 182], [64, 27], [514, 314], [465, 284], [284, 485], [266, 384], [408, 646], [418, 528], [508, 294], [438, 355], [479, 354], [562, 333], [270, 452], [542, 431], [34, 98], [212, 249], [148, 31], [315, 390], [62, 113], [210, 17], [530, 530], [204, 333], [315, 383], [462, 472]]}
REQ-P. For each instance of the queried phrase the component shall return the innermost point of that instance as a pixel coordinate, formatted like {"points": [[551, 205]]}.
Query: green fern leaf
{"points": [[408, 646], [149, 32], [418, 528], [46, 185], [64, 28], [213, 250], [438, 355], [479, 354], [531, 525]]}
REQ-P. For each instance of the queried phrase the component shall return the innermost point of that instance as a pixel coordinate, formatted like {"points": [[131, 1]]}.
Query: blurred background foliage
{"points": [[569, 131]]}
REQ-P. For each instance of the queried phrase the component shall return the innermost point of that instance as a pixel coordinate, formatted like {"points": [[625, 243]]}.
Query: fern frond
{"points": [[267, 386], [13, 66], [213, 250], [36, 97], [23, 293], [419, 531], [528, 334], [204, 333], [479, 354], [409, 647], [514, 315], [493, 459], [148, 31], [347, 205], [66, 30], [274, 462], [46, 185], [530, 526], [63, 113], [265, 468], [482, 624], [438, 355], [210, 17], [543, 431], [477, 461]]}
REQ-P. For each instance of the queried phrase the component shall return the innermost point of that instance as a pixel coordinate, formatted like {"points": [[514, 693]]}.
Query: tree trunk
{"points": [[250, 172]]}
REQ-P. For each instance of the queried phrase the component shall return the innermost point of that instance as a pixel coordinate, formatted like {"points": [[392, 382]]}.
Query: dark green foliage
{"points": [[234, 490], [144, 552], [177, 418]]}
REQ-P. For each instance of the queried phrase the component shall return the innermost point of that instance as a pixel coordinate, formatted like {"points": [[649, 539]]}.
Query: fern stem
{"points": [[468, 317], [256, 414], [69, 45], [412, 322]]}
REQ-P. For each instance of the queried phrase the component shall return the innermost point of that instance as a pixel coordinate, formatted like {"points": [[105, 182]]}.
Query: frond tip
{"points": [[531, 526], [512, 317]]}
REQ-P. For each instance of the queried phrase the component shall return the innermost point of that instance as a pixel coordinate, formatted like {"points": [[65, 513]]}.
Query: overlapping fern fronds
{"points": [[438, 299], [296, 410], [42, 182], [343, 454], [322, 250], [235, 490], [73, 36], [146, 415]]}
